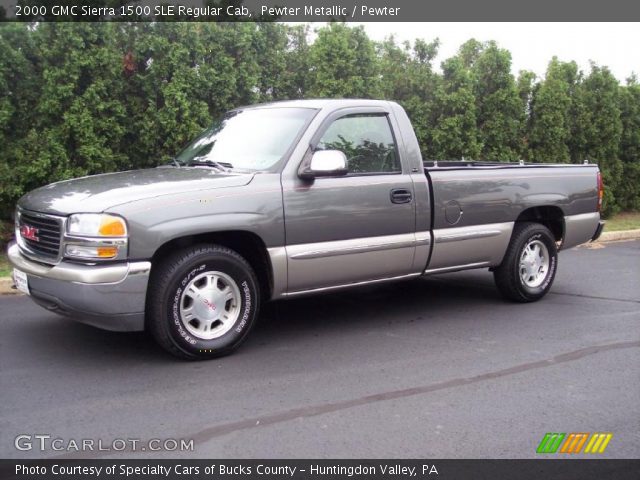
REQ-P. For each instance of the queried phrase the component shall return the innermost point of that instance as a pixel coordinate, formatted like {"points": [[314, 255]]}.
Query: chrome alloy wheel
{"points": [[210, 305], [534, 264]]}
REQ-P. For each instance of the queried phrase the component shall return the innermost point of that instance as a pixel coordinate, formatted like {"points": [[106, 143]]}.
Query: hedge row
{"points": [[82, 98]]}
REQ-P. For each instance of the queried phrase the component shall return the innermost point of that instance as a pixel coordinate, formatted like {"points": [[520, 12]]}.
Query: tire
{"points": [[202, 303], [529, 265]]}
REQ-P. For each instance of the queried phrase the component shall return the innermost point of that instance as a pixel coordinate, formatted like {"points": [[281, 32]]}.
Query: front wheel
{"points": [[202, 302], [529, 266]]}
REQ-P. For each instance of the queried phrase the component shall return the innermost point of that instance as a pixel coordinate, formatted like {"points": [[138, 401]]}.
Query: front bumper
{"points": [[111, 296]]}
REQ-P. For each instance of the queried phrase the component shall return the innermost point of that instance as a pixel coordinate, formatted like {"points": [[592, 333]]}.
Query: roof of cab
{"points": [[319, 103]]}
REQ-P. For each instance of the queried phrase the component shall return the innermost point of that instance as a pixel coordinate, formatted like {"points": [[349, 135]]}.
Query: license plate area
{"points": [[21, 281]]}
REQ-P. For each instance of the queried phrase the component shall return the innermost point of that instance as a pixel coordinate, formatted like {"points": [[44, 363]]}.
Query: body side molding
{"points": [[357, 245], [457, 247]]}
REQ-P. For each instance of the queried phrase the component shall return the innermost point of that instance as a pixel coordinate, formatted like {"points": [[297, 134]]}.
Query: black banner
{"points": [[543, 469], [319, 10]]}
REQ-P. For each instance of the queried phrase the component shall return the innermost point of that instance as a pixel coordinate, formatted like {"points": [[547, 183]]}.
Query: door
{"points": [[354, 228]]}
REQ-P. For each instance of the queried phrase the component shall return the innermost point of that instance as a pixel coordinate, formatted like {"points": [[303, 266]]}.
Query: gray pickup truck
{"points": [[286, 199]]}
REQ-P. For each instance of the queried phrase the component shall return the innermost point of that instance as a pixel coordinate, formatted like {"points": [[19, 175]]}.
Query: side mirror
{"points": [[325, 163]]}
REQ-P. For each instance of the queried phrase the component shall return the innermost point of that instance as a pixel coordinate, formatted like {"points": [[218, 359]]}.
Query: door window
{"points": [[366, 140]]}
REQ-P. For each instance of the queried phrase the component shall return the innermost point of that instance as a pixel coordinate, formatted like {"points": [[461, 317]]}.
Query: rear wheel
{"points": [[202, 302], [529, 265]]}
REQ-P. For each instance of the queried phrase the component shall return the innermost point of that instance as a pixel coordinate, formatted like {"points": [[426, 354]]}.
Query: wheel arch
{"points": [[550, 216], [248, 244]]}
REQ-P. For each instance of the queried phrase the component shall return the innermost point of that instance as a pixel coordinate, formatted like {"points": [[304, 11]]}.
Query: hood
{"points": [[97, 193]]}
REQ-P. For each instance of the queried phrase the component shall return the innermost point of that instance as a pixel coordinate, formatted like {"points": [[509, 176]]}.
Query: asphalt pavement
{"points": [[440, 367]]}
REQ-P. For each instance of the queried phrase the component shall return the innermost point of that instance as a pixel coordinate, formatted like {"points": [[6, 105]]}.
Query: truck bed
{"points": [[470, 200]]}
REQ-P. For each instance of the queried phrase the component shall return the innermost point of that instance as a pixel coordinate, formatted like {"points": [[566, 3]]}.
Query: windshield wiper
{"points": [[222, 166], [175, 162]]}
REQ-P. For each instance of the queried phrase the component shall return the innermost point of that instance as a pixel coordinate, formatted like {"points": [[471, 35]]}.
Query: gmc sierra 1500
{"points": [[286, 199]]}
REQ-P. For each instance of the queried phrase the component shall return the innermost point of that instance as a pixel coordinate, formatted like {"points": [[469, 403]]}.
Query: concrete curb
{"points": [[619, 235], [7, 282], [5, 286]]}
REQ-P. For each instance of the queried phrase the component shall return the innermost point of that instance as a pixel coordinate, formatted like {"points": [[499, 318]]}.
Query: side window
{"points": [[367, 142]]}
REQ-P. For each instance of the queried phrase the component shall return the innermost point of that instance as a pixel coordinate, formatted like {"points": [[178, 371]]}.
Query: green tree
{"points": [[19, 92], [598, 130], [343, 63], [499, 108], [82, 98], [408, 78], [169, 81], [454, 134], [527, 89], [295, 81], [283, 52], [550, 125], [470, 51], [75, 124], [629, 188]]}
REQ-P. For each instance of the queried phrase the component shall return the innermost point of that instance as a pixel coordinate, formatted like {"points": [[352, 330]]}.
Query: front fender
{"points": [[255, 208]]}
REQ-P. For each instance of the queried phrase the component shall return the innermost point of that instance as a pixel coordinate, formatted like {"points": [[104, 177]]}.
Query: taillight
{"points": [[600, 191]]}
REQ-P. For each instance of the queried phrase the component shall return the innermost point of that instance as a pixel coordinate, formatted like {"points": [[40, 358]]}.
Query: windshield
{"points": [[254, 139]]}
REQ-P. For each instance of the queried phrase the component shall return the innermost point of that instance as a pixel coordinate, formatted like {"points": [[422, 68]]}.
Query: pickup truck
{"points": [[285, 199]]}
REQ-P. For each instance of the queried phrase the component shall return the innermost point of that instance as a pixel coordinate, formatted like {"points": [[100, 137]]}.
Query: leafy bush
{"points": [[85, 98]]}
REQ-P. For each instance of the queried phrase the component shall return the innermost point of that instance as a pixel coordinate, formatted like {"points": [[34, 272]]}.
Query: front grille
{"points": [[47, 246]]}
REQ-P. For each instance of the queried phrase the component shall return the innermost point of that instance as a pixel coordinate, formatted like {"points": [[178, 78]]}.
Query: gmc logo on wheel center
{"points": [[29, 232]]}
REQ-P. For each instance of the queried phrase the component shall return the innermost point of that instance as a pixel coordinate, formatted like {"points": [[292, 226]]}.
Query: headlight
{"points": [[96, 236], [96, 225]]}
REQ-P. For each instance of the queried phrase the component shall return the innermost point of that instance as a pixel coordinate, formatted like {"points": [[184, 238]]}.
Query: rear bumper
{"points": [[111, 297], [598, 231], [579, 229]]}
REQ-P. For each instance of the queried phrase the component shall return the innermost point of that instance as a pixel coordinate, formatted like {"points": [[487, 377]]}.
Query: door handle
{"points": [[400, 195]]}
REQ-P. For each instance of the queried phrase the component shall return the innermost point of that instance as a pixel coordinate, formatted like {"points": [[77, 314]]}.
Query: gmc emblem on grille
{"points": [[29, 232]]}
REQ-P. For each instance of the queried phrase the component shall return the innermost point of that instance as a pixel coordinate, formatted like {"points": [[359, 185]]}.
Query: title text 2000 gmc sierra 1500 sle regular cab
{"points": [[286, 199]]}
